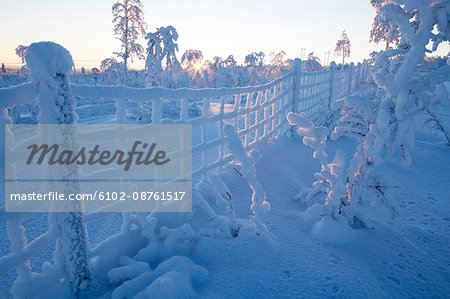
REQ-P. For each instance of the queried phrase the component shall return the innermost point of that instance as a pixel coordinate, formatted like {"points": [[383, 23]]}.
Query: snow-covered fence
{"points": [[258, 113]]}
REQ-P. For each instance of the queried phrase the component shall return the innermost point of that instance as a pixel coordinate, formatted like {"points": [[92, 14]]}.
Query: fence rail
{"points": [[258, 113]]}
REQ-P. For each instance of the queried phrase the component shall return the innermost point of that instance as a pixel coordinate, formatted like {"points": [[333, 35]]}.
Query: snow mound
{"points": [[333, 231], [176, 277], [129, 269], [171, 285], [47, 58]]}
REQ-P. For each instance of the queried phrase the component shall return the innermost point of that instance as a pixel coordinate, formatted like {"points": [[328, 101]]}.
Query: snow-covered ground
{"points": [[405, 257]]}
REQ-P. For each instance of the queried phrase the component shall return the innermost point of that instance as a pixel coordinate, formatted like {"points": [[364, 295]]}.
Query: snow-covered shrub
{"points": [[24, 114], [436, 123], [151, 255], [357, 116], [314, 137], [325, 196], [220, 199], [259, 204], [174, 278], [312, 63], [364, 186], [152, 252], [434, 94]]}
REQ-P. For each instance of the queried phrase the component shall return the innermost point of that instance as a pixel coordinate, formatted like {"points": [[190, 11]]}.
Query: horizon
{"points": [[216, 29]]}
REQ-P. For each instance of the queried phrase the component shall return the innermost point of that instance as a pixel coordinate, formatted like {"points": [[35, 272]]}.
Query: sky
{"points": [[217, 28]]}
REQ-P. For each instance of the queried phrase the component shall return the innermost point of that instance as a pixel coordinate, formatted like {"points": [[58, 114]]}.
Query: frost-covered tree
{"points": [[343, 47], [230, 62], [171, 66], [112, 70], [312, 64], [21, 50], [129, 25], [382, 30], [153, 68], [222, 71], [254, 59], [217, 63], [383, 125], [3, 68], [406, 90], [192, 61], [169, 37], [278, 59], [277, 67], [311, 56], [255, 70]]}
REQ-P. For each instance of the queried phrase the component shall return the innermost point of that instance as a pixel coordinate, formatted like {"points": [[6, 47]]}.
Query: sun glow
{"points": [[198, 66]]}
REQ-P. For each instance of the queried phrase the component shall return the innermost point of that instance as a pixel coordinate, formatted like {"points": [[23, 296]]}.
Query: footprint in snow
{"points": [[286, 275]]}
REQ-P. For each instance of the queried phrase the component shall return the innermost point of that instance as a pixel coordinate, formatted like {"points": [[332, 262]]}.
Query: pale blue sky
{"points": [[218, 28]]}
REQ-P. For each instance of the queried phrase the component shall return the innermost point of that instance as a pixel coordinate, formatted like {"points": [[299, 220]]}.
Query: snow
{"points": [[47, 59], [173, 278], [398, 258], [129, 270]]}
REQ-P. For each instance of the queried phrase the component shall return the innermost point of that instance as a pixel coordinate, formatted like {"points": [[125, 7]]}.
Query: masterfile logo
{"points": [[108, 168], [94, 156]]}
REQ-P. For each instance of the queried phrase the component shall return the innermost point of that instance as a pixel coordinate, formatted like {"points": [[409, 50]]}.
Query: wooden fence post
{"points": [[49, 65], [296, 68], [350, 70], [330, 98]]}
